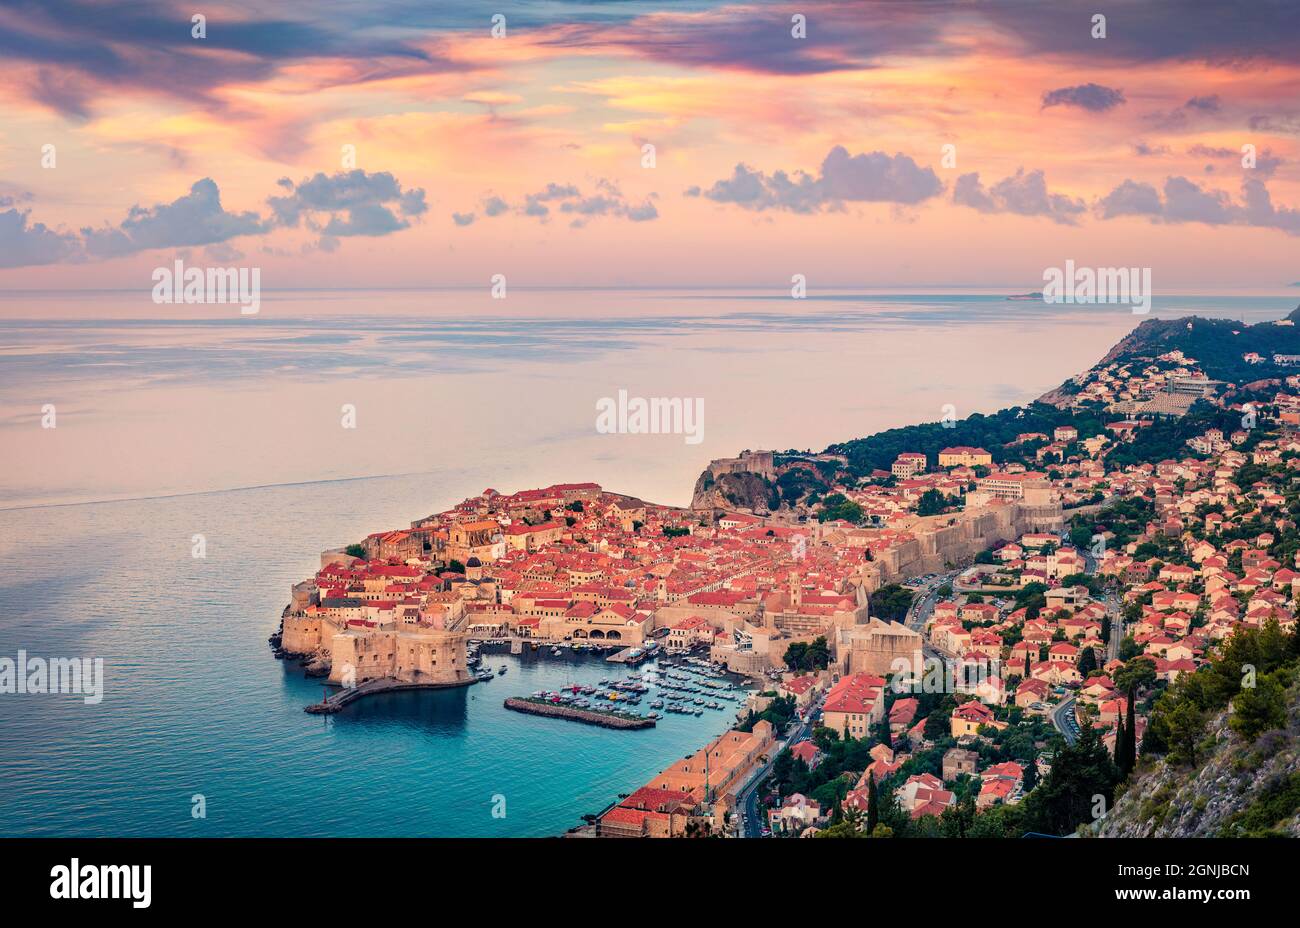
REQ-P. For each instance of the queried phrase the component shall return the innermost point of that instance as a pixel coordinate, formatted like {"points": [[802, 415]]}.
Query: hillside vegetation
{"points": [[1221, 757]]}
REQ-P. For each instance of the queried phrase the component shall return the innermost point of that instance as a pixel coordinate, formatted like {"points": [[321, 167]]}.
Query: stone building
{"points": [[422, 653], [749, 462], [880, 648], [482, 539]]}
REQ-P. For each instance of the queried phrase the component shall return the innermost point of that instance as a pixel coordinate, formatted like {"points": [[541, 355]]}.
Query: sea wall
{"points": [[970, 533], [301, 634]]}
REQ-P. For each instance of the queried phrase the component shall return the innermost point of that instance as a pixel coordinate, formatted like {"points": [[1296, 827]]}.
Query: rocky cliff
{"points": [[733, 491], [1236, 789]]}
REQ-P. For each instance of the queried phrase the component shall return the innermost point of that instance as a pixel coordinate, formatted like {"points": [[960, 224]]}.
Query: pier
{"points": [[345, 696], [603, 719]]}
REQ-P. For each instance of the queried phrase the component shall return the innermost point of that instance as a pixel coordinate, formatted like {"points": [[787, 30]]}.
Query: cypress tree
{"points": [[1121, 746], [1130, 747], [873, 811]]}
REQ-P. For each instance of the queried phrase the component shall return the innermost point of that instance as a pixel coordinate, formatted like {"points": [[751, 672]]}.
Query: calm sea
{"points": [[451, 396]]}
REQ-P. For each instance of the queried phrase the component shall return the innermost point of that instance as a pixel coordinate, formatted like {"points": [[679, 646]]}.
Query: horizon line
{"points": [[912, 287], [209, 492]]}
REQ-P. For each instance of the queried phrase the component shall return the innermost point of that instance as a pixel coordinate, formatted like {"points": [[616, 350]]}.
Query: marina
{"points": [[683, 686]]}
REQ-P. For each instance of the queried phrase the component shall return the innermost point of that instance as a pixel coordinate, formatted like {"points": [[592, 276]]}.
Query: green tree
{"points": [[1067, 798], [957, 820], [793, 656], [838, 506], [1260, 708], [931, 503], [1177, 728], [1130, 734], [1119, 745], [891, 602], [1126, 740], [803, 655], [1087, 662], [844, 829], [1140, 672], [818, 655]]}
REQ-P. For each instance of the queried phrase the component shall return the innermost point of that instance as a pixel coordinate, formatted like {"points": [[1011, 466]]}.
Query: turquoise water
{"points": [[195, 704]]}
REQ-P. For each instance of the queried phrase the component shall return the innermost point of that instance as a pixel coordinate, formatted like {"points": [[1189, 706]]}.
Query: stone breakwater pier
{"points": [[603, 719], [337, 701]]}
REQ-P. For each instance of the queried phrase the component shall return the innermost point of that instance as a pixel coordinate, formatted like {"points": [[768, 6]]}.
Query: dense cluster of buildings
{"points": [[701, 788], [1214, 550], [1166, 385], [576, 566]]}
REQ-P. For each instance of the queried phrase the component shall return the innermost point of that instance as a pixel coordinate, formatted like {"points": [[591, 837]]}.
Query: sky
{"points": [[634, 144]]}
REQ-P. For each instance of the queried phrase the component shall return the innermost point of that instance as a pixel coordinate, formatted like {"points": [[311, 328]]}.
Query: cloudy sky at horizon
{"points": [[773, 155]]}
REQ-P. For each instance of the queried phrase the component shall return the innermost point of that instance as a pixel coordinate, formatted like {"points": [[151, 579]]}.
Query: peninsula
{"points": [[1066, 566]]}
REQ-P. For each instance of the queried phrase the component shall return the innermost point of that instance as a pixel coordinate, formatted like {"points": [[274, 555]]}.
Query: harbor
{"points": [[682, 685]]}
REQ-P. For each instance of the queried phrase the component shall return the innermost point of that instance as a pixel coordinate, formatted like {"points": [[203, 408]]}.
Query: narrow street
{"points": [[751, 822], [1063, 719]]}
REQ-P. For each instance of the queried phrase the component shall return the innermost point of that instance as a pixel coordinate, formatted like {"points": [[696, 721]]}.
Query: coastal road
{"points": [[1116, 626], [751, 822], [923, 605], [1113, 608], [1063, 719], [1109, 599], [918, 614]]}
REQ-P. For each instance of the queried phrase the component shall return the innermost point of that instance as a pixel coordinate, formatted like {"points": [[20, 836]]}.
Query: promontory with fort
{"points": [[961, 628]]}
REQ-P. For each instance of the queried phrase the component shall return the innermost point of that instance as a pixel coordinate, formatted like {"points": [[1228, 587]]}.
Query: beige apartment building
{"points": [[963, 456]]}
